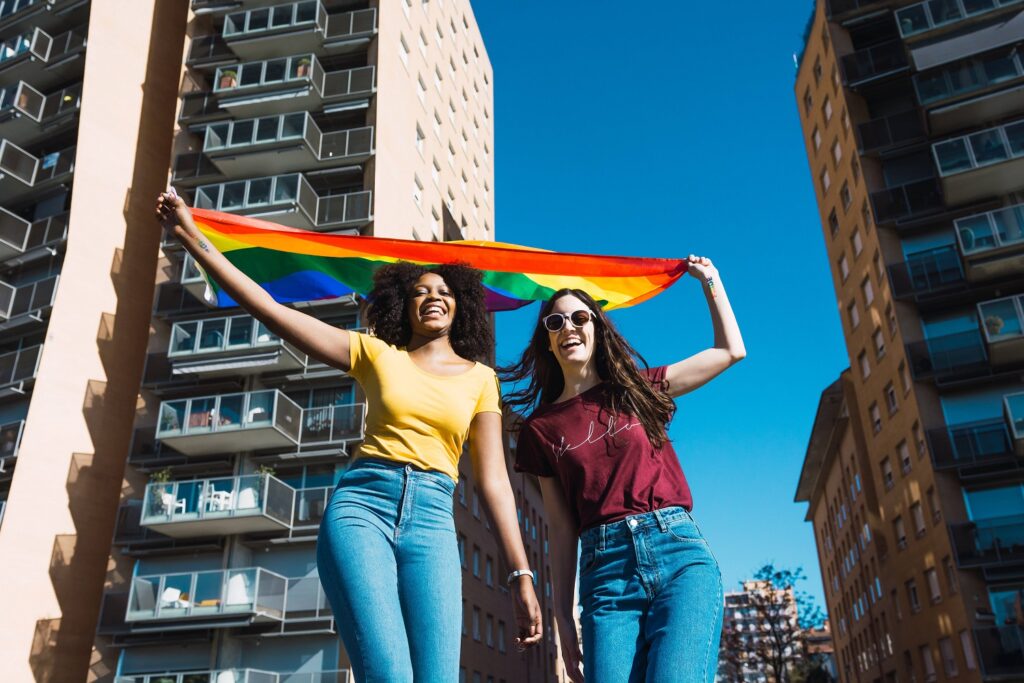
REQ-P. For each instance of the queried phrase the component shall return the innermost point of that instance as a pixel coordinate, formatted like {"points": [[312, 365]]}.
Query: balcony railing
{"points": [[37, 106], [992, 231], [250, 135], [26, 300], [41, 46], [989, 542], [222, 506], [302, 26], [970, 444], [1013, 406], [928, 16], [310, 506], [907, 202], [18, 235], [837, 8], [890, 131], [216, 335], [194, 167], [296, 70], [330, 425], [1002, 320], [209, 49], [241, 676], [949, 357], [254, 592], [9, 8], [29, 170], [928, 272], [1001, 651], [874, 62], [208, 424], [977, 150], [196, 106], [10, 439], [288, 193], [968, 76], [268, 20], [19, 366], [3, 509]]}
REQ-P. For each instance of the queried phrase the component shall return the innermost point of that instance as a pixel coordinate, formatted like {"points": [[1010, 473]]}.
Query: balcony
{"points": [[908, 202], [18, 369], [215, 507], [253, 594], [199, 106], [1013, 408], [972, 444], [194, 168], [278, 86], [283, 143], [888, 132], [989, 542], [240, 676], [209, 51], [992, 243], [929, 17], [982, 164], [288, 200], [927, 273], [873, 63], [229, 423], [45, 14], [298, 27], [1001, 651], [42, 60], [26, 304], [10, 441], [22, 173], [949, 358], [839, 9], [988, 87], [228, 347], [19, 236], [26, 114], [1003, 326]]}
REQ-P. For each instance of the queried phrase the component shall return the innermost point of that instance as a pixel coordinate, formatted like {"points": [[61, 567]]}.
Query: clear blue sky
{"points": [[664, 131]]}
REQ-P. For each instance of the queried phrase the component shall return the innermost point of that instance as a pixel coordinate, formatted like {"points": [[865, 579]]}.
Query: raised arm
{"points": [[488, 454], [562, 542], [326, 343], [690, 373]]}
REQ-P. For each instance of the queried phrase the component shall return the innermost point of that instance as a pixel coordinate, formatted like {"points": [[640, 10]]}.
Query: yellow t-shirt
{"points": [[413, 416]]}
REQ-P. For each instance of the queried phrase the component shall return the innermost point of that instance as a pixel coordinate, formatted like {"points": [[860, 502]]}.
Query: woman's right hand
{"points": [[572, 656], [172, 213]]}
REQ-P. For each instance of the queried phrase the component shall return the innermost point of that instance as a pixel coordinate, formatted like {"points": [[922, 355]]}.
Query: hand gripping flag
{"points": [[296, 265]]}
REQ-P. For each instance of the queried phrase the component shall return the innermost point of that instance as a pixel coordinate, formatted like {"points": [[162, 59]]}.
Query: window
{"points": [[967, 643], [476, 505], [816, 139], [818, 71], [417, 190], [423, 44], [865, 366], [901, 533], [904, 453], [855, 169], [879, 268], [933, 504], [904, 378], [421, 89], [435, 175], [887, 477], [846, 121], [865, 214], [869, 292], [403, 50], [845, 196], [406, 6], [489, 572], [932, 578], [876, 417], [894, 594], [857, 243], [915, 603], [890, 398], [854, 316], [462, 491], [489, 632], [501, 636], [808, 101], [928, 663], [833, 222], [476, 561], [438, 80], [826, 181], [890, 318], [420, 137], [917, 514], [844, 268], [837, 153], [879, 340], [462, 551], [476, 627], [826, 110], [919, 438]]}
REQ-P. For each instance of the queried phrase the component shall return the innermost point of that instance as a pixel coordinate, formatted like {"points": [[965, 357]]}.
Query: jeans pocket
{"points": [[684, 529], [588, 558]]}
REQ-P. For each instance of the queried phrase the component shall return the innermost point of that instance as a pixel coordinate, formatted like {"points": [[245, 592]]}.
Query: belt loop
{"points": [[601, 542], [661, 521]]}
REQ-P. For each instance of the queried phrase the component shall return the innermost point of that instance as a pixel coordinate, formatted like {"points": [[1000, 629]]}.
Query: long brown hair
{"points": [[626, 389]]}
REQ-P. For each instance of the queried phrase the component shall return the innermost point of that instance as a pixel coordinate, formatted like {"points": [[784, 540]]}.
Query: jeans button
{"points": [[632, 523]]}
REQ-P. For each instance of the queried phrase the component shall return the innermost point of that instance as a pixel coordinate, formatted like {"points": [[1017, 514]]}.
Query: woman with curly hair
{"points": [[387, 551], [650, 589]]}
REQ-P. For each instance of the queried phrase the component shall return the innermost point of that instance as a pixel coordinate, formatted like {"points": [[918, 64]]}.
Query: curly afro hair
{"points": [[470, 335]]}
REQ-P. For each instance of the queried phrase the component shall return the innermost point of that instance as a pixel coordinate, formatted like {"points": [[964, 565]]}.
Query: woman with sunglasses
{"points": [[650, 589], [387, 552]]}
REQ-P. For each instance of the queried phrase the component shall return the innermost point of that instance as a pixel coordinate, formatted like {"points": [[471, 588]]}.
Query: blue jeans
{"points": [[389, 563], [651, 594]]}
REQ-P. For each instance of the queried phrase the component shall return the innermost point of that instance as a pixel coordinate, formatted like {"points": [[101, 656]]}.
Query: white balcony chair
{"points": [[221, 501], [172, 506]]}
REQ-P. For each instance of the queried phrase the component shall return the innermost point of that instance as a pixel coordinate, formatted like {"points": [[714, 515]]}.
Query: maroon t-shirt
{"points": [[607, 466]]}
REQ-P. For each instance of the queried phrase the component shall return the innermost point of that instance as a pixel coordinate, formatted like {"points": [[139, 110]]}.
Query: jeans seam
{"points": [[711, 635]]}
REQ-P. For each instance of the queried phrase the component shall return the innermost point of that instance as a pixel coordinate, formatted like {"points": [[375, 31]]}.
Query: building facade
{"points": [[748, 617], [914, 130]]}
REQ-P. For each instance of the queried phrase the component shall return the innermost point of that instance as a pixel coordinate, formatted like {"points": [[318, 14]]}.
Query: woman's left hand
{"points": [[701, 267], [527, 612]]}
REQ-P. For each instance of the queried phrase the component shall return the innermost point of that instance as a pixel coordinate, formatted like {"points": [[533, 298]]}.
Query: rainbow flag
{"points": [[296, 265]]}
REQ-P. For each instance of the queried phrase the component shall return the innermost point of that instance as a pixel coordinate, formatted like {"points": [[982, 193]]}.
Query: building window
{"points": [[917, 514], [837, 153], [417, 190], [826, 110], [833, 222], [879, 268], [869, 291], [879, 340], [932, 578], [501, 636], [855, 169], [919, 438], [816, 139], [967, 643], [476, 626], [890, 398], [904, 453], [423, 44], [904, 378], [826, 180], [476, 505], [865, 214], [894, 594], [462, 551], [846, 121], [865, 366], [933, 505], [901, 533], [489, 572], [915, 603], [808, 101], [845, 196], [876, 417], [420, 137], [403, 50], [854, 316], [489, 631], [476, 561], [844, 268], [887, 477], [856, 242], [818, 71]]}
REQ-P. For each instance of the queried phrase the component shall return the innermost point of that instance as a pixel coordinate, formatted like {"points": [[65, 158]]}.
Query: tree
{"points": [[783, 614]]}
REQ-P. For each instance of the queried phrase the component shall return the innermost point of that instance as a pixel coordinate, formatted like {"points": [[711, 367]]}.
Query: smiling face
{"points": [[571, 345], [431, 306]]}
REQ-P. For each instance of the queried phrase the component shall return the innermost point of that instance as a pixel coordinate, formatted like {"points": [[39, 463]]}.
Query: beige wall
{"points": [[59, 520]]}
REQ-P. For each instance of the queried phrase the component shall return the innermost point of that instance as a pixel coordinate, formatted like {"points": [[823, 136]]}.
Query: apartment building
{"points": [[914, 130], [748, 617]]}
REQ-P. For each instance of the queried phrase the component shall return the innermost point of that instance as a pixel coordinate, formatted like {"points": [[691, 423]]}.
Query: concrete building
{"points": [[914, 129], [748, 616]]}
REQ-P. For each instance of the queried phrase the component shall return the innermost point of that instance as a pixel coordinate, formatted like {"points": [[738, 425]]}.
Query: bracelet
{"points": [[520, 572]]}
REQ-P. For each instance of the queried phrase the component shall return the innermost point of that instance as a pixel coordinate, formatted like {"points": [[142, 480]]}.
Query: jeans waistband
{"points": [[401, 469], [600, 534]]}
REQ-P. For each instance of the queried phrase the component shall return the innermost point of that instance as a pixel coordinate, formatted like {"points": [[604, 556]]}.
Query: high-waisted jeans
{"points": [[651, 594], [389, 562]]}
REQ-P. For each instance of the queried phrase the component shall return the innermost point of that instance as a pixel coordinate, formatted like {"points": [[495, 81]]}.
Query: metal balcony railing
{"points": [[890, 131], [983, 148], [949, 357], [989, 542], [216, 335], [991, 231], [909, 201], [874, 62], [229, 413], [927, 16], [970, 444], [1000, 650], [27, 299], [217, 504], [19, 366], [251, 591], [927, 272], [239, 78]]}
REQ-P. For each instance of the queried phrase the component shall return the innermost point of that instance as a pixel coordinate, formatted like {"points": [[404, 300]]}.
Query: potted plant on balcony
{"points": [[228, 79], [994, 325], [302, 69], [252, 496], [161, 501]]}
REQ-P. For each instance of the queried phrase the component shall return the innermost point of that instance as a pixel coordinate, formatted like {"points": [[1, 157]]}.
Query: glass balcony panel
{"points": [[216, 136], [266, 129], [976, 234], [259, 20], [310, 504], [212, 337], [208, 196], [293, 125], [175, 595], [259, 191], [1015, 136], [200, 414], [944, 11], [261, 408], [242, 132], [1015, 410], [976, 6], [988, 147], [912, 20], [286, 188], [1001, 319], [281, 15], [1000, 68], [18, 163], [263, 334], [240, 331], [232, 196], [953, 156], [172, 417], [305, 12], [1010, 224], [143, 594], [250, 74], [234, 24], [204, 678], [277, 69], [209, 589], [979, 441], [232, 407]]}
